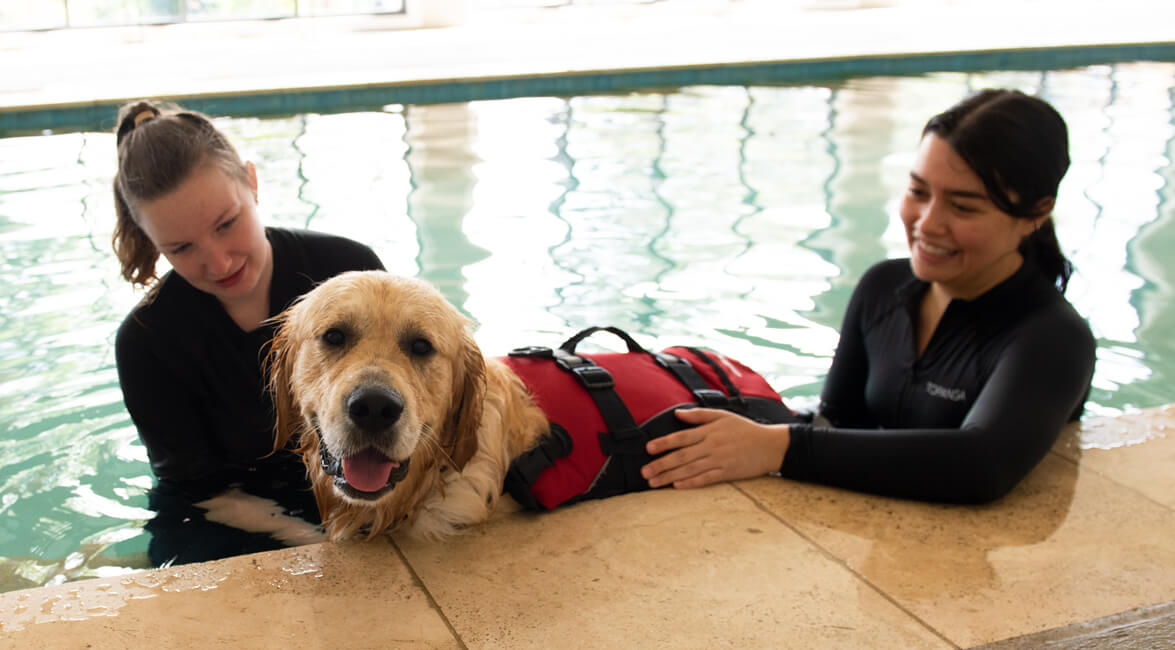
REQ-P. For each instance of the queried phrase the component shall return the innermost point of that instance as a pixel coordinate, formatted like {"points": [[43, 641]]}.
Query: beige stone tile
{"points": [[1066, 545], [681, 569], [1136, 450], [320, 596]]}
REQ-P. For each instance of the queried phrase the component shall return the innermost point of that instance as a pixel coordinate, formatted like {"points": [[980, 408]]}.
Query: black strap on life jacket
{"points": [[735, 396], [623, 435], [569, 345], [525, 469], [685, 373]]}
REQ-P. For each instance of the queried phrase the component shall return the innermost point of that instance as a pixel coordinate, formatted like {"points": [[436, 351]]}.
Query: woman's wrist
{"points": [[786, 442], [778, 442]]}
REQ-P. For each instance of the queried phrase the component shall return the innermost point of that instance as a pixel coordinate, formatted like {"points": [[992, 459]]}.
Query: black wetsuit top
{"points": [[195, 388], [964, 422]]}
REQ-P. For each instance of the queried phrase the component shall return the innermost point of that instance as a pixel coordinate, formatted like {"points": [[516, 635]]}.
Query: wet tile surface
{"points": [[321, 596], [1066, 545], [1146, 465], [685, 569]]}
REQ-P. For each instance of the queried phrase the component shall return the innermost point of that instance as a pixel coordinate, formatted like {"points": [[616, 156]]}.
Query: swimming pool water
{"points": [[733, 217]]}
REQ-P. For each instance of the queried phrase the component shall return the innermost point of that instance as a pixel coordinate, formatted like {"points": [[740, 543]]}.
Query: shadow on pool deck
{"points": [[1079, 554]]}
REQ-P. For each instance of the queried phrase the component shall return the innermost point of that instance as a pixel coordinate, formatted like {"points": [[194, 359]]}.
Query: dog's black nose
{"points": [[374, 409]]}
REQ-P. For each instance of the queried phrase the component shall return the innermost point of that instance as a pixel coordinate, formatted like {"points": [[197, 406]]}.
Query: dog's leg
{"points": [[466, 498], [239, 509], [510, 424]]}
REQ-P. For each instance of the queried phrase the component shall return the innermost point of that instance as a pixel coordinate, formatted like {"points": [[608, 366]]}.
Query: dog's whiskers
{"points": [[428, 439]]}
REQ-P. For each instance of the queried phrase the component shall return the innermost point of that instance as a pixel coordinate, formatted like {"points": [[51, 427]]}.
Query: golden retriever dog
{"points": [[400, 420]]}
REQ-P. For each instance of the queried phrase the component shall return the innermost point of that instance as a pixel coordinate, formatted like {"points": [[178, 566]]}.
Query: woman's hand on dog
{"points": [[721, 446]]}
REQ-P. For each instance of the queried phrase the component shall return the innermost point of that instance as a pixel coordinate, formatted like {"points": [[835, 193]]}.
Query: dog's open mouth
{"points": [[368, 474]]}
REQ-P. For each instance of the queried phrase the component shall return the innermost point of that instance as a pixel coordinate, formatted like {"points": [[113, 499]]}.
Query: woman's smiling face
{"points": [[959, 240]]}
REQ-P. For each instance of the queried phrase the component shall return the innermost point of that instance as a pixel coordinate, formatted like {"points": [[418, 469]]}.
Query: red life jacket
{"points": [[603, 410]]}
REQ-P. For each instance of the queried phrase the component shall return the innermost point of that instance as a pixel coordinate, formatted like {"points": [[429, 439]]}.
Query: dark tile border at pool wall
{"points": [[99, 116], [1146, 627]]}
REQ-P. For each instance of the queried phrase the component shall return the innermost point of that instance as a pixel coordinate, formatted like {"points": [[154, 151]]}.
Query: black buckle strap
{"points": [[623, 434], [535, 351], [600, 387], [527, 468], [592, 377], [555, 445], [685, 373], [738, 404]]}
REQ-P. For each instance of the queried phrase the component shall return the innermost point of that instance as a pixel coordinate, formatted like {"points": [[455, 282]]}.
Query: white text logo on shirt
{"points": [[953, 394]]}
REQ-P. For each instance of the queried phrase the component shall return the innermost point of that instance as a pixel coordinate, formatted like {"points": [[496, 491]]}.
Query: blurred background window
{"points": [[55, 14]]}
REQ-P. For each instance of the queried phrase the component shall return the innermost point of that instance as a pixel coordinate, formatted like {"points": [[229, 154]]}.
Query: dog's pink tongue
{"points": [[368, 470]]}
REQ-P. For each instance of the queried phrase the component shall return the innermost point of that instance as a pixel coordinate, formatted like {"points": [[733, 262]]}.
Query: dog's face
{"points": [[380, 378]]}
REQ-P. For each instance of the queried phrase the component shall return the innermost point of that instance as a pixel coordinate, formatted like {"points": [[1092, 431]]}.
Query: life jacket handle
{"points": [[569, 345]]}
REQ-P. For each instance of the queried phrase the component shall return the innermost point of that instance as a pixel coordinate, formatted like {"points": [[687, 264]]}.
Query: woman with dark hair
{"points": [[956, 368], [190, 355]]}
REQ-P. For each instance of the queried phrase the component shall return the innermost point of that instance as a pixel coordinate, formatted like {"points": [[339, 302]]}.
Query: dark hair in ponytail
{"points": [[1018, 145], [159, 146]]}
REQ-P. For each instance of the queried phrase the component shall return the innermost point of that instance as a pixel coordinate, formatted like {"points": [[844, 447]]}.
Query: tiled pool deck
{"points": [[1079, 555]]}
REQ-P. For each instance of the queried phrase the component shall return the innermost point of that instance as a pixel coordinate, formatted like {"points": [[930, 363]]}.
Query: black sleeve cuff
{"points": [[797, 460]]}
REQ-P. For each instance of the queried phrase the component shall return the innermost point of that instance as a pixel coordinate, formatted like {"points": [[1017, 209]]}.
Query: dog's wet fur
{"points": [[401, 421]]}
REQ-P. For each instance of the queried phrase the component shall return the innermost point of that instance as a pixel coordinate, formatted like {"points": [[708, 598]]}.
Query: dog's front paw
{"points": [[239, 509]]}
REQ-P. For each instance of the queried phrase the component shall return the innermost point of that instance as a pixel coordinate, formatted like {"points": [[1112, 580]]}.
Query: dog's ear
{"points": [[279, 362], [469, 389]]}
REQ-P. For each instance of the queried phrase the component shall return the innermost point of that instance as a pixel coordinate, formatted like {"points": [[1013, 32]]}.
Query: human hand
{"points": [[723, 446]]}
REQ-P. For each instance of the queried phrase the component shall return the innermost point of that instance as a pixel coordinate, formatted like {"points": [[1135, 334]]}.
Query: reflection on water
{"points": [[443, 176], [733, 217]]}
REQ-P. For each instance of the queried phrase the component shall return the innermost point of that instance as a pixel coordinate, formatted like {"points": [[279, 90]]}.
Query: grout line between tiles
{"points": [[431, 599], [848, 568]]}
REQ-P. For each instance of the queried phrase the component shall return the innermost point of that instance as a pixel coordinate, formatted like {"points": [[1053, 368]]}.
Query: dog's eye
{"points": [[334, 337], [421, 347]]}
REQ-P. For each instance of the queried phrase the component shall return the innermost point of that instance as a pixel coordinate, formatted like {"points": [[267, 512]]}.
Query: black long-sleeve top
{"points": [[966, 421], [193, 381]]}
